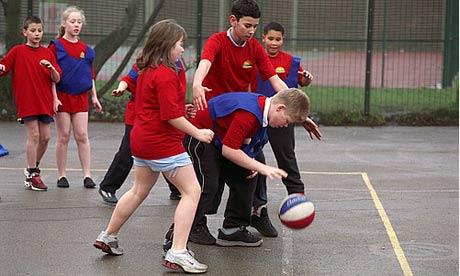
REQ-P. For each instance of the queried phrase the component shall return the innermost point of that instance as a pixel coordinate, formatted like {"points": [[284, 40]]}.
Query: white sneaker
{"points": [[184, 261], [108, 244]]}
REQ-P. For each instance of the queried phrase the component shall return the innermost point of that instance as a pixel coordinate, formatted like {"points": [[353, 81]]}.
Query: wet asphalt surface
{"points": [[386, 199]]}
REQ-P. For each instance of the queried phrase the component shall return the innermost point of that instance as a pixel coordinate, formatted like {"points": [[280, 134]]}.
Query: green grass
{"points": [[345, 106], [383, 101]]}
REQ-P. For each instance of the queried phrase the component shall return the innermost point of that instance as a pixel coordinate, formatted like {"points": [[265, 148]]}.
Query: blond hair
{"points": [[296, 101], [66, 14], [163, 35]]}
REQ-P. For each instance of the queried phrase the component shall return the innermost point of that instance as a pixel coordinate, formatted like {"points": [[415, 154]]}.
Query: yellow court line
{"points": [[383, 215], [378, 205]]}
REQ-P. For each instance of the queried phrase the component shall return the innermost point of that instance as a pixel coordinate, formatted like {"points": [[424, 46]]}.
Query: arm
{"points": [[202, 71], [203, 135], [307, 78], [56, 101], [312, 128], [122, 86], [277, 83], [240, 158], [55, 77], [94, 98]]}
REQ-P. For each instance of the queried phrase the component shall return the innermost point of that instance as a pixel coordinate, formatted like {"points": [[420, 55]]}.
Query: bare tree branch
{"points": [[107, 46], [132, 49]]}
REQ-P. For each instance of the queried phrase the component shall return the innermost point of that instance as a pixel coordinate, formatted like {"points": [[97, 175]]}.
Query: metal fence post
{"points": [[199, 30], [450, 63], [367, 84]]}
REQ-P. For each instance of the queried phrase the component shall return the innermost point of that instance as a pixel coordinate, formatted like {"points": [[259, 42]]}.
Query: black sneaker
{"points": [[174, 196], [263, 224], [108, 197], [242, 237], [167, 242], [62, 182], [88, 182], [200, 235]]}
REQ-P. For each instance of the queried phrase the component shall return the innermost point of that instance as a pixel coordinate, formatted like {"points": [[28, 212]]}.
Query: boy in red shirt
{"points": [[282, 140], [227, 64], [35, 72], [240, 121]]}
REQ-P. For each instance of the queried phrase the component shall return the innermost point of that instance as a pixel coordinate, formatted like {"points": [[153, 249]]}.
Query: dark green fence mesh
{"points": [[413, 56]]}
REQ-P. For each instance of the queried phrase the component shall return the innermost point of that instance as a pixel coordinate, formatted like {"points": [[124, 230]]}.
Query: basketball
{"points": [[296, 211]]}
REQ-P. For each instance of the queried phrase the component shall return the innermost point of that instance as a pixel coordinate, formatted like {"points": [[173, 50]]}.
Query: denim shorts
{"points": [[164, 164]]}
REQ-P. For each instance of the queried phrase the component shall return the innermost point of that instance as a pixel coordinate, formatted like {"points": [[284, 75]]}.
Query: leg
{"points": [[238, 210], [239, 204], [179, 256], [260, 194], [80, 128], [187, 184], [259, 217], [45, 136], [63, 123], [282, 141], [207, 165], [32, 144], [121, 165], [175, 194], [144, 180], [107, 240]]}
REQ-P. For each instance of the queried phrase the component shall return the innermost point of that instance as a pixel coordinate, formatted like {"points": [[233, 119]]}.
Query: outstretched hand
{"points": [[199, 98], [312, 128]]}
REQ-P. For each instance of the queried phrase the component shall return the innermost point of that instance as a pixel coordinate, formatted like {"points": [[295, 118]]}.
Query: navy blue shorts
{"points": [[41, 118]]}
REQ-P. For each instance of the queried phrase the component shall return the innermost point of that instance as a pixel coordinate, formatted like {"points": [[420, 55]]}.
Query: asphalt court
{"points": [[386, 204]]}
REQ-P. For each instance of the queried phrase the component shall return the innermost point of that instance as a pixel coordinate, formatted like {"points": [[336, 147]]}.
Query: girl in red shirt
{"points": [[75, 59], [156, 145]]}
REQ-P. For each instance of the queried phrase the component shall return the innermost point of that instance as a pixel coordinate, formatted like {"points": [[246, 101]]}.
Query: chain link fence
{"points": [[369, 56]]}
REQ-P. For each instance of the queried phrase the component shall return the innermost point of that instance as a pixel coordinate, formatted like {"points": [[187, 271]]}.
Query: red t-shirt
{"points": [[234, 128], [159, 98], [31, 80], [281, 63], [130, 113], [232, 66]]}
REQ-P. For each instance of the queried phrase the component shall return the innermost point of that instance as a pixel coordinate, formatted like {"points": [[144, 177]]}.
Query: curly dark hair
{"points": [[241, 8]]}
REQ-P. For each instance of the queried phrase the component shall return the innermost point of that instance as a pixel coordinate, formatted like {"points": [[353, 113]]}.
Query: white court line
{"points": [[288, 248]]}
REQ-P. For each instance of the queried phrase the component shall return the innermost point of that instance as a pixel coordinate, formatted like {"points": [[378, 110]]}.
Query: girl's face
{"points": [[177, 50], [73, 24], [273, 41], [34, 34]]}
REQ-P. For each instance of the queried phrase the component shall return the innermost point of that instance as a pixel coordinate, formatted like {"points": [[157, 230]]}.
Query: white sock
{"points": [[182, 251], [256, 210], [229, 231]]}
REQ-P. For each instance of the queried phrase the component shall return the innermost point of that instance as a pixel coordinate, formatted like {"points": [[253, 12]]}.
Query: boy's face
{"points": [[34, 33], [277, 118], [243, 29], [273, 41]]}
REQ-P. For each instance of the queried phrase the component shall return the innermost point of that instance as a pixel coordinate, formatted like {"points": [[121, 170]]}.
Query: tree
{"points": [[13, 36], [104, 48], [132, 49]]}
